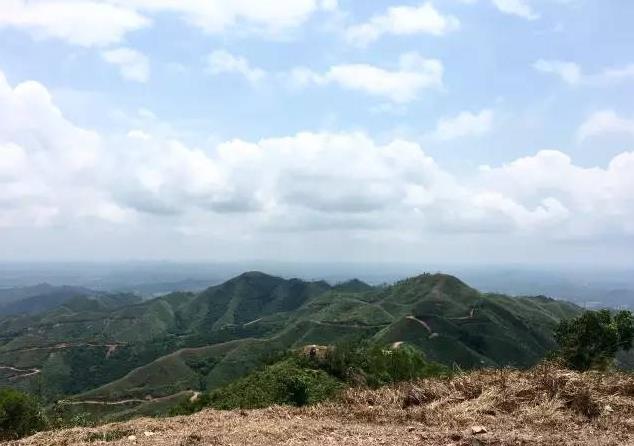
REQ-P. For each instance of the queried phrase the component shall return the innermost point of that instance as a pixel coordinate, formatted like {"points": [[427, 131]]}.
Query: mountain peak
{"points": [[353, 285]]}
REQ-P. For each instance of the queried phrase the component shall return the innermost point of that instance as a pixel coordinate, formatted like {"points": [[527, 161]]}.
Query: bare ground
{"points": [[544, 406]]}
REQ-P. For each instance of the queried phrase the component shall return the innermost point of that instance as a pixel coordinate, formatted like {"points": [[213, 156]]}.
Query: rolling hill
{"points": [[38, 298], [117, 348]]}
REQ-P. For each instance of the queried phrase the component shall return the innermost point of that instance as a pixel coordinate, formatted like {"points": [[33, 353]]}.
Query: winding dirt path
{"points": [[471, 315], [112, 347], [22, 373], [423, 323], [150, 399]]}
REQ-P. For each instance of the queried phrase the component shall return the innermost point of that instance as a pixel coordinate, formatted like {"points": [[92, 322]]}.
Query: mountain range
{"points": [[119, 355]]}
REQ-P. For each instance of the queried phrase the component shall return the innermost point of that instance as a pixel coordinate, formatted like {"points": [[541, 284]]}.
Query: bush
{"points": [[592, 340], [375, 366], [286, 382], [296, 390], [300, 380], [20, 415]]}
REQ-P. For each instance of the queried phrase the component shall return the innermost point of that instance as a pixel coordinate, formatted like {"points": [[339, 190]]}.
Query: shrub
{"points": [[286, 382], [592, 340], [300, 380], [375, 365], [296, 390], [20, 415]]}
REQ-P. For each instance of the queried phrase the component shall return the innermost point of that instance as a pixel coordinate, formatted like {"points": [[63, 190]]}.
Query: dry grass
{"points": [[544, 406]]}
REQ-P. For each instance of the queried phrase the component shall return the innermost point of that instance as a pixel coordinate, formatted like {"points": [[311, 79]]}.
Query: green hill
{"points": [[118, 348]]}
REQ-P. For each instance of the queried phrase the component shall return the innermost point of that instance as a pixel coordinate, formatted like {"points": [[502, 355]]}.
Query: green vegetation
{"points": [[147, 356], [287, 382], [20, 415], [300, 380], [374, 365], [290, 381], [592, 340]]}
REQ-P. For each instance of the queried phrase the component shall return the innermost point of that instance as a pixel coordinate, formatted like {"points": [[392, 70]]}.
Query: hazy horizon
{"points": [[585, 285]]}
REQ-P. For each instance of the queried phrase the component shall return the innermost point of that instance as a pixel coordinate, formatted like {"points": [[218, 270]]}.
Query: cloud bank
{"points": [[54, 172]]}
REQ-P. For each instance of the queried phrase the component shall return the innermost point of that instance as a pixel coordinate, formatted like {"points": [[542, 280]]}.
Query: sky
{"points": [[467, 131]]}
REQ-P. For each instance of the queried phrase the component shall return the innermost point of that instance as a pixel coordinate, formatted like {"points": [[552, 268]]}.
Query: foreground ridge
{"points": [[543, 406]]}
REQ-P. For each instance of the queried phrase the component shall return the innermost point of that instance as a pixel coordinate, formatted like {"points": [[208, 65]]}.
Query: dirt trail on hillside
{"points": [[542, 407], [149, 399], [111, 347], [471, 315], [423, 323], [21, 373]]}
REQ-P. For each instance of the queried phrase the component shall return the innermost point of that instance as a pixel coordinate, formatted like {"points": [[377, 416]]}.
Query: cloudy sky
{"points": [[439, 131]]}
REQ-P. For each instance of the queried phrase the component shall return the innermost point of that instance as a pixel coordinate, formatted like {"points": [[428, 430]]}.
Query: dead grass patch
{"points": [[543, 406]]}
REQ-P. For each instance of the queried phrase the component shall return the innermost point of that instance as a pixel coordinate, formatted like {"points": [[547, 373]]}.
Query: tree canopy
{"points": [[20, 415], [592, 340]]}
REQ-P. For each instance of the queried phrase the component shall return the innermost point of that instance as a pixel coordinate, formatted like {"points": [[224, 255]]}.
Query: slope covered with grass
{"points": [[544, 406]]}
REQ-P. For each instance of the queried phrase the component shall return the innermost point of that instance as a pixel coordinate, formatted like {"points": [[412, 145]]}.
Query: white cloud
{"points": [[572, 74], [520, 8], [605, 121], [569, 72], [50, 168], [138, 134], [218, 15], [106, 22], [80, 22], [53, 172], [133, 65], [329, 5], [221, 61], [464, 124], [403, 85], [403, 20], [597, 200]]}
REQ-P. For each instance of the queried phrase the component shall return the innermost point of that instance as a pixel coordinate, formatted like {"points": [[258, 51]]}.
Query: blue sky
{"points": [[449, 130]]}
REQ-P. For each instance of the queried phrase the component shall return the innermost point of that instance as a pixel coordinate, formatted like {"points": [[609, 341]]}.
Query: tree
{"points": [[592, 340], [20, 415]]}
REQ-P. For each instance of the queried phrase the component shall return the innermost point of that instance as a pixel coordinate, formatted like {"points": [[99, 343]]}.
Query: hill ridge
{"points": [[200, 341]]}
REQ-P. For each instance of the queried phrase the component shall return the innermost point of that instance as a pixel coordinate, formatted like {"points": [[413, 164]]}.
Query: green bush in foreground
{"points": [[374, 365], [20, 415], [592, 340], [299, 380], [286, 382]]}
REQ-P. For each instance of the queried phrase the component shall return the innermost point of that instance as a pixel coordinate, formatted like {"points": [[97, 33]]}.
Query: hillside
{"points": [[38, 298], [544, 406], [114, 349]]}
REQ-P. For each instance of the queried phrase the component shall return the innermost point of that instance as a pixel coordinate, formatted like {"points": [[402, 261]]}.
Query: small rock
{"points": [[148, 433], [477, 430], [608, 409], [132, 438], [411, 429]]}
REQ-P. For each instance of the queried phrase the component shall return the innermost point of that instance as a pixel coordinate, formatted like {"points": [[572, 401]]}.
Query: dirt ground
{"points": [[545, 406]]}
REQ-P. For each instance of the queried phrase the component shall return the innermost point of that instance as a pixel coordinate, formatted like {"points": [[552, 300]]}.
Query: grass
{"points": [[108, 436], [544, 406]]}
